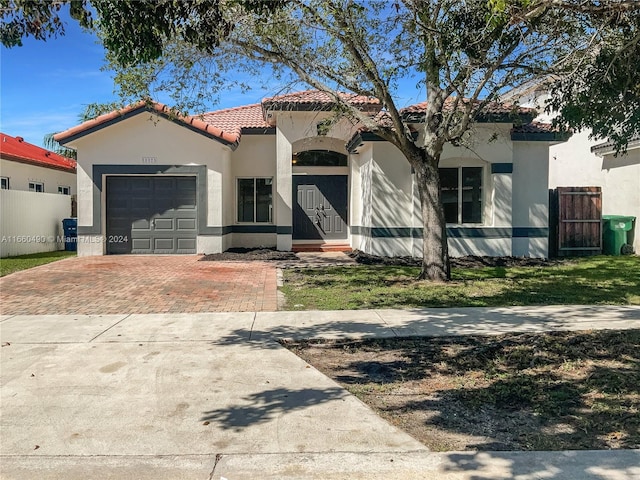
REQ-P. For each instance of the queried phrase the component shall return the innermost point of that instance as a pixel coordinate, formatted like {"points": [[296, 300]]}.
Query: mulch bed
{"points": [[471, 261], [250, 254], [271, 254]]}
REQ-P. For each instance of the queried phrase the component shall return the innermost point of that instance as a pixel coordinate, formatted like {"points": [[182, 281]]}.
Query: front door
{"points": [[320, 209]]}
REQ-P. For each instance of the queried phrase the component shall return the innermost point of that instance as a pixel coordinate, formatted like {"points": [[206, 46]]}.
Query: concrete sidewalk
{"points": [[213, 396]]}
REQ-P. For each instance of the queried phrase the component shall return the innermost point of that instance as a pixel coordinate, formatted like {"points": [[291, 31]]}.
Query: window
{"points": [[64, 190], [255, 198], [36, 187], [4, 183], [462, 194], [319, 158]]}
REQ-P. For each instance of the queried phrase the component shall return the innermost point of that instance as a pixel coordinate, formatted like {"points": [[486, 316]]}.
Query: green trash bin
{"points": [[614, 233]]}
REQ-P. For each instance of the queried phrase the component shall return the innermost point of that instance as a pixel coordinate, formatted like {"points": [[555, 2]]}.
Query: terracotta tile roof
{"points": [[234, 120], [539, 131], [492, 108], [107, 118], [312, 99], [16, 149], [633, 143]]}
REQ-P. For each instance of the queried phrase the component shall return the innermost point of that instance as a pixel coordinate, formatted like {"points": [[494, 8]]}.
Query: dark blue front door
{"points": [[320, 207]]}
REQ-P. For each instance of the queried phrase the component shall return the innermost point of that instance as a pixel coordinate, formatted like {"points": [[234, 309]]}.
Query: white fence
{"points": [[31, 222]]}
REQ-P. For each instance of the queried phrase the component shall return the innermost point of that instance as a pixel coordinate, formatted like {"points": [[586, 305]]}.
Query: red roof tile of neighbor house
{"points": [[16, 149], [107, 118], [238, 118]]}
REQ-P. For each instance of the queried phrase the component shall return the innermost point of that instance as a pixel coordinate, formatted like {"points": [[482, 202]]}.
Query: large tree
{"points": [[464, 53]]}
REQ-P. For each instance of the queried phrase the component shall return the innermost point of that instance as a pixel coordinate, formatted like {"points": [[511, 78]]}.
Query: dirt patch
{"points": [[557, 391], [250, 254], [471, 261]]}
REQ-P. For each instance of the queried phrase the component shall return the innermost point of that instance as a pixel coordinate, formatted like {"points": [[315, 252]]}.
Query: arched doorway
{"points": [[320, 201]]}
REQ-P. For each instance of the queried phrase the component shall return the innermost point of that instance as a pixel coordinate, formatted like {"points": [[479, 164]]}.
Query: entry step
{"points": [[321, 247]]}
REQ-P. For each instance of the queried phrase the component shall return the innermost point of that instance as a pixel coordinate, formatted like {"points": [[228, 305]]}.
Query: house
{"points": [[38, 189], [24, 166], [585, 162], [287, 173]]}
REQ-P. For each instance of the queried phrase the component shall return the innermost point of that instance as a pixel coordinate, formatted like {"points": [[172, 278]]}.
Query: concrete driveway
{"points": [[139, 284]]}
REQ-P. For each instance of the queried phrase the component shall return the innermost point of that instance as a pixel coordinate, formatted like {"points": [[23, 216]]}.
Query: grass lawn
{"points": [[555, 391], [584, 281], [22, 262]]}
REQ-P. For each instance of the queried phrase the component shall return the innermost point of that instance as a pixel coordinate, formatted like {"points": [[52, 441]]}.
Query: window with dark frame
{"points": [[4, 183], [255, 200], [36, 187], [461, 190], [319, 158]]}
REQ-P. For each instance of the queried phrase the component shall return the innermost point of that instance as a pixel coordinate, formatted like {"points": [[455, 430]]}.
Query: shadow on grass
{"points": [[519, 392]]}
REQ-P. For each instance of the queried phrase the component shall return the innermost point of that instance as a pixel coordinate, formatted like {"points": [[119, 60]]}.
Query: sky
{"points": [[44, 86]]}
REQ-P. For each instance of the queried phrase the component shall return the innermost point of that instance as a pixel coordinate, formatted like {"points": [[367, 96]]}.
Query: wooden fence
{"points": [[575, 221]]}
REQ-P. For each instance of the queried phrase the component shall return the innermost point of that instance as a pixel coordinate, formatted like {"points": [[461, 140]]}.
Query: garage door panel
{"points": [[183, 224], [140, 184], [141, 244], [140, 224], [184, 245], [158, 213], [164, 224], [163, 244]]}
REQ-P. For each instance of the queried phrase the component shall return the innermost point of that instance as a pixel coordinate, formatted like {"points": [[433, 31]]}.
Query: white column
{"points": [[283, 200]]}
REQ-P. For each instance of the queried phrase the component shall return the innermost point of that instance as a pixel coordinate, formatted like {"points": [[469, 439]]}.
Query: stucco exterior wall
{"points": [[572, 164], [147, 139], [531, 197], [396, 222], [20, 174]]}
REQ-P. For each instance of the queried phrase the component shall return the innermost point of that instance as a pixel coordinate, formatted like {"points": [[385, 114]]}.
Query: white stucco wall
{"points": [[572, 164], [32, 222], [20, 174], [530, 196], [148, 139], [395, 199]]}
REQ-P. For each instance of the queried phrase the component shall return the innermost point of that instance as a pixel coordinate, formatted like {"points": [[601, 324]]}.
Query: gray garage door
{"points": [[155, 214]]}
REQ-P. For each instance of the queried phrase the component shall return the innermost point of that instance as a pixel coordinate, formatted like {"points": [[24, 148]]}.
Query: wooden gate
{"points": [[578, 220]]}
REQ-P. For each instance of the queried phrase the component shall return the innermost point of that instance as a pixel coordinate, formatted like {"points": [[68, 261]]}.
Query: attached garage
{"points": [[151, 214]]}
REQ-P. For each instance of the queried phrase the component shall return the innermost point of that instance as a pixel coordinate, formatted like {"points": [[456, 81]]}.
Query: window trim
{"points": [[63, 187], [7, 183], [255, 203], [35, 187]]}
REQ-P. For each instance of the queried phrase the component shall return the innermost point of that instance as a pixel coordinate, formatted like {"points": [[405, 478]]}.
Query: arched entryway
{"points": [[320, 197]]}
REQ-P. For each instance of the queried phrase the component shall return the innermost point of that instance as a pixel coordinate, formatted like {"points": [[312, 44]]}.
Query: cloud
{"points": [[34, 127]]}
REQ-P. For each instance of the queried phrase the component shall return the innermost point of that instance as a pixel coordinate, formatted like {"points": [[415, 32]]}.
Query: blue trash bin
{"points": [[70, 227]]}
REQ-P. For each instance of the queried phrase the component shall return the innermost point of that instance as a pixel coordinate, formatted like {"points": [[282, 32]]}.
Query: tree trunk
{"points": [[435, 251]]}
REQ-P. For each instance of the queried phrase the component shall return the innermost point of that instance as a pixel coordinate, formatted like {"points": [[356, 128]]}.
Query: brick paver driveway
{"points": [[139, 284]]}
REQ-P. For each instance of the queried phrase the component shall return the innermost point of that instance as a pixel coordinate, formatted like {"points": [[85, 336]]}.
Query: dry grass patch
{"points": [[556, 391]]}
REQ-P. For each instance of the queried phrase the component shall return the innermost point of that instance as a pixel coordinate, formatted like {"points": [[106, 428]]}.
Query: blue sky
{"points": [[44, 86]]}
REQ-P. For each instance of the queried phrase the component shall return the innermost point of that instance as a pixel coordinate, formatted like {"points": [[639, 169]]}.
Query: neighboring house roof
{"points": [[193, 123], [609, 147], [17, 150], [238, 120], [491, 112], [315, 100]]}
